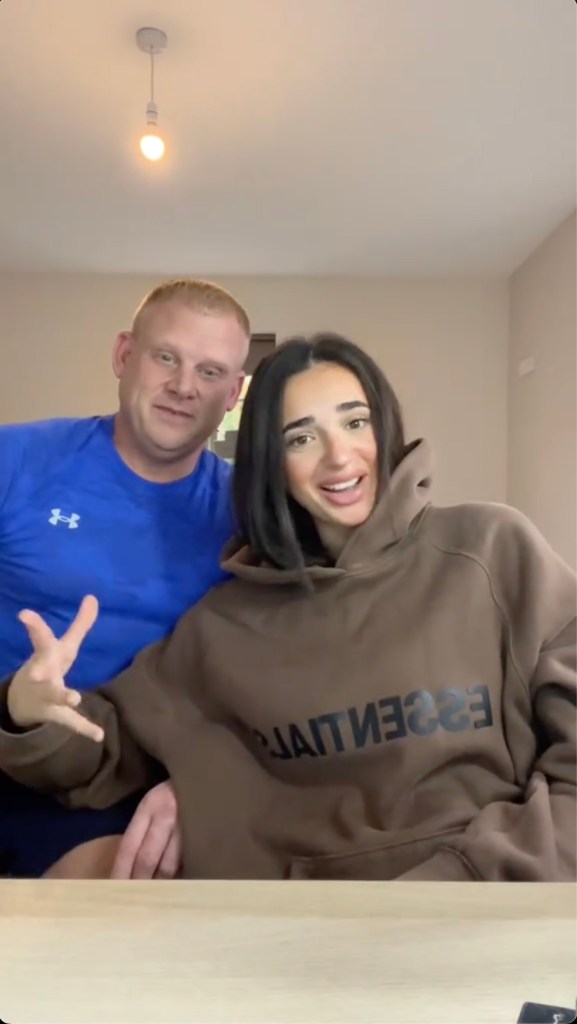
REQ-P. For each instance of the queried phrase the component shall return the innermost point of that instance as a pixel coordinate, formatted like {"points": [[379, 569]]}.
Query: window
{"points": [[223, 442]]}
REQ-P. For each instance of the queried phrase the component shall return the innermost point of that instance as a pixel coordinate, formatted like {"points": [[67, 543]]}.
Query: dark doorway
{"points": [[223, 443]]}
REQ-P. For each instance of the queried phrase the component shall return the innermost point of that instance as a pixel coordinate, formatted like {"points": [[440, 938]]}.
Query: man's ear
{"points": [[122, 349], [235, 393]]}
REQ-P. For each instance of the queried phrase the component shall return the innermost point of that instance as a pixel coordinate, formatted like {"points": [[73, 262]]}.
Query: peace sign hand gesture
{"points": [[38, 693]]}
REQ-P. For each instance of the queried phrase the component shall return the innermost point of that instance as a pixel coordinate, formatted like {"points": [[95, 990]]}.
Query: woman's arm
{"points": [[532, 840], [91, 749]]}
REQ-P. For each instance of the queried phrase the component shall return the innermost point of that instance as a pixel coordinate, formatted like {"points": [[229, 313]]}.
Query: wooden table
{"points": [[274, 953]]}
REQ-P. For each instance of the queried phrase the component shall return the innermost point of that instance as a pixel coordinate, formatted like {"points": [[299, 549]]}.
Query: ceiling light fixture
{"points": [[152, 41]]}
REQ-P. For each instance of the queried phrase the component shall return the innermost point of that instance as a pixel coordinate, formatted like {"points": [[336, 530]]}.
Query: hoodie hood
{"points": [[405, 498]]}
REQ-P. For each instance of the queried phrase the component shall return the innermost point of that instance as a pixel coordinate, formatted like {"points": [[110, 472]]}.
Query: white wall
{"points": [[542, 460], [442, 344]]}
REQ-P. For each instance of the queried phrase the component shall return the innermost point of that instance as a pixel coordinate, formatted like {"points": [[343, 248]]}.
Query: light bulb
{"points": [[152, 147]]}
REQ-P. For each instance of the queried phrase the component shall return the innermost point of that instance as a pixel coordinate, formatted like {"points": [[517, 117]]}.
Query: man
{"points": [[131, 508]]}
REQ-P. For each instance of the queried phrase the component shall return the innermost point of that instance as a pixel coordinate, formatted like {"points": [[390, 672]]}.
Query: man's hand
{"points": [[151, 846], [38, 693]]}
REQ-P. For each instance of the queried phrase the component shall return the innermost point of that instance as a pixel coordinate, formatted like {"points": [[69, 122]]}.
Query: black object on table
{"points": [[542, 1013]]}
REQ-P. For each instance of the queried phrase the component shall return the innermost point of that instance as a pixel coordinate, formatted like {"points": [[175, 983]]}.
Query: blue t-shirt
{"points": [[75, 520]]}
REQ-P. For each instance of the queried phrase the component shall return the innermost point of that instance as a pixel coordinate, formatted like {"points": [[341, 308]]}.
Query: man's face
{"points": [[179, 374]]}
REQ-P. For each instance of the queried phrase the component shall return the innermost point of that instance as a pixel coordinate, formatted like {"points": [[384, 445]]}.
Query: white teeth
{"points": [[346, 486]]}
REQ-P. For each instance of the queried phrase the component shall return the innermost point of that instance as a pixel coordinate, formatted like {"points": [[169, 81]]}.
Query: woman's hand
{"points": [[38, 693]]}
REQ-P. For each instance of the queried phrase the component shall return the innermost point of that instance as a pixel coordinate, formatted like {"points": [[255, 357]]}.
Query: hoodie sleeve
{"points": [[137, 710], [534, 840]]}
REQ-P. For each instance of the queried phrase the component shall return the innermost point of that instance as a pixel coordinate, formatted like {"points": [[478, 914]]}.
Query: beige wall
{"points": [[542, 459], [442, 344]]}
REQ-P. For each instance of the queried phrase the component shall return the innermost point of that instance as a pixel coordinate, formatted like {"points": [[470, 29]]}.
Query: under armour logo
{"points": [[57, 517]]}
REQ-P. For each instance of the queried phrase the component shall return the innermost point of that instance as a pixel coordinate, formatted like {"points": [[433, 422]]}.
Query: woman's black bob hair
{"points": [[278, 530]]}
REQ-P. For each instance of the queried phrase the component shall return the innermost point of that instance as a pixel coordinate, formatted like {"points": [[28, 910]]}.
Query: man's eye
{"points": [[210, 373], [165, 357]]}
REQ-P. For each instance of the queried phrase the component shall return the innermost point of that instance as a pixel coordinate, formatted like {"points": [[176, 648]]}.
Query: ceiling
{"points": [[397, 137]]}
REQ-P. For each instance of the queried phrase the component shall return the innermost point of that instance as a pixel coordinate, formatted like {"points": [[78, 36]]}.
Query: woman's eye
{"points": [[299, 441], [358, 423]]}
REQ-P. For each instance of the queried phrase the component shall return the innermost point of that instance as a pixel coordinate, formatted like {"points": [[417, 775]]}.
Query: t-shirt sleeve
{"points": [[27, 450], [12, 448]]}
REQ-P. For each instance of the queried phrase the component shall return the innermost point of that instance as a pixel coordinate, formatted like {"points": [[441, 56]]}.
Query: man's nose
{"points": [[183, 383]]}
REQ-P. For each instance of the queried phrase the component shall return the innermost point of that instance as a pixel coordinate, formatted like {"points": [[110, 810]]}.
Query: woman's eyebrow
{"points": [[357, 404], [306, 421]]}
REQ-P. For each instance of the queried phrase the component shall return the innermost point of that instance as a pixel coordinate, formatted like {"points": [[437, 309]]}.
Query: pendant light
{"points": [[151, 41]]}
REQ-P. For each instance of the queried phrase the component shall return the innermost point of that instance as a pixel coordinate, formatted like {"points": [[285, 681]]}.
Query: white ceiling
{"points": [[398, 137]]}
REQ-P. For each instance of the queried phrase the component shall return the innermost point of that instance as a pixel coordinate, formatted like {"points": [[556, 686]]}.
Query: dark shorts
{"points": [[35, 830]]}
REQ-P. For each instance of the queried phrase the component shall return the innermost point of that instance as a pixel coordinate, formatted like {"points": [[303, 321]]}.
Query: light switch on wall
{"points": [[526, 366]]}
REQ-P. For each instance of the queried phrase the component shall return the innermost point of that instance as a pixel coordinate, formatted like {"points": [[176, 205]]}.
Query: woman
{"points": [[384, 689]]}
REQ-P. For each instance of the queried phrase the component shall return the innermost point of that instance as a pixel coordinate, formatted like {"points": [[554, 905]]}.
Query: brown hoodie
{"points": [[413, 716]]}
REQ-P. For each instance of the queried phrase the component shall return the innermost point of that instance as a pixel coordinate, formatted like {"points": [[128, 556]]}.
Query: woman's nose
{"points": [[337, 451]]}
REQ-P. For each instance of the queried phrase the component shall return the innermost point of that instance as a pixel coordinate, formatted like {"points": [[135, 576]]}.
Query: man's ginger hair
{"points": [[202, 296]]}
